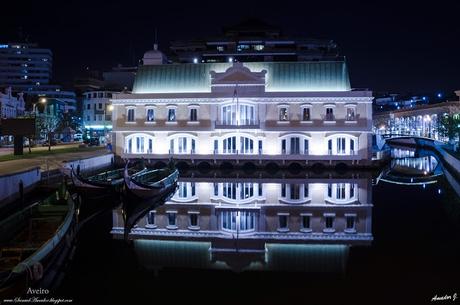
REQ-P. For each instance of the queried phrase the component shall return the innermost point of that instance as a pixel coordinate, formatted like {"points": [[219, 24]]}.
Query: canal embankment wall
{"points": [[13, 184]]}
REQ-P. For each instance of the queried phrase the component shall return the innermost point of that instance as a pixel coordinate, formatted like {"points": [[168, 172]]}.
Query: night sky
{"points": [[389, 46]]}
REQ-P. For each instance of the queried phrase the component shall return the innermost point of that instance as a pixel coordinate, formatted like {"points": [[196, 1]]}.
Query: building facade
{"points": [[421, 121], [252, 41], [11, 106], [27, 68], [97, 113], [253, 111]]}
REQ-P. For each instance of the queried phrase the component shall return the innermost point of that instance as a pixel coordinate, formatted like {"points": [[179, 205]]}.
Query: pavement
{"points": [[46, 163]]}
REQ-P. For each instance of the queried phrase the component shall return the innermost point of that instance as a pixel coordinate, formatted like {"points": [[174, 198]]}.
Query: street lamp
{"points": [[42, 100]]}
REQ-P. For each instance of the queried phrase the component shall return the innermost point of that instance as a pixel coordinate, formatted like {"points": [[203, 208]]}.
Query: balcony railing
{"points": [[249, 124]]}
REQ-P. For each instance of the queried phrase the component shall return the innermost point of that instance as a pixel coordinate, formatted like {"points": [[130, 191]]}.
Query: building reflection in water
{"points": [[412, 167], [264, 224]]}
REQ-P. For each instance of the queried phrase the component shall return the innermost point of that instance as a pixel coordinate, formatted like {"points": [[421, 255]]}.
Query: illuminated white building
{"points": [[97, 112], [294, 111]]}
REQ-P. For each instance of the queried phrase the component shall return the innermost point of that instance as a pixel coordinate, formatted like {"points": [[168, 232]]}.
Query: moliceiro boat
{"points": [[35, 244], [151, 184], [102, 184]]}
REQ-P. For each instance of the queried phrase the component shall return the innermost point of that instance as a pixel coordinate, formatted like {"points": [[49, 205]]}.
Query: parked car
{"points": [[78, 137]]}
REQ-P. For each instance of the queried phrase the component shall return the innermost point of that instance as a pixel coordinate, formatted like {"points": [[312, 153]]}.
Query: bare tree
{"points": [[49, 124]]}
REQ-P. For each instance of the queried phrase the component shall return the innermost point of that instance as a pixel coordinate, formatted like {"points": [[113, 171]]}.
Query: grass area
{"points": [[43, 153]]}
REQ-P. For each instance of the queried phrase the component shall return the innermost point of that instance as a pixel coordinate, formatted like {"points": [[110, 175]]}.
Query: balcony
{"points": [[245, 124]]}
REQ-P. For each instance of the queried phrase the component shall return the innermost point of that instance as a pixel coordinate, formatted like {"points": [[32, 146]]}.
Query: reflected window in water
{"points": [[294, 192], [283, 222], [329, 220], [237, 192], [150, 223], [193, 220], [306, 222], [238, 221], [172, 217], [350, 223], [341, 193], [186, 191]]}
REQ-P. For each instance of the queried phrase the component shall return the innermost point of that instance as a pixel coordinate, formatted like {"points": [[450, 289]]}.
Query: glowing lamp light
{"points": [[230, 59], [43, 100], [195, 60], [439, 95], [110, 107]]}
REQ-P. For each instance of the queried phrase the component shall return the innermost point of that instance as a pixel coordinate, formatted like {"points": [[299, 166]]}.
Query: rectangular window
{"points": [[329, 222], [305, 221], [194, 115], [88, 118], [171, 219], [295, 191], [260, 193], [352, 190], [283, 114], [283, 222], [171, 115], [194, 220], [131, 115], [341, 145], [182, 144], [340, 191], [283, 190], [305, 190], [260, 146], [329, 114], [352, 146], [171, 146], [329, 146], [305, 146], [216, 189], [151, 218], [283, 146], [100, 117], [88, 106], [150, 115], [350, 114], [193, 146], [350, 222], [306, 114], [100, 105], [295, 146], [216, 146]]}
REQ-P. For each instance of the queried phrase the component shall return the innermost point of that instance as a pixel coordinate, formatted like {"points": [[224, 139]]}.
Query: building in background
{"points": [[27, 68], [97, 114], [421, 120], [252, 41], [11, 106], [395, 101]]}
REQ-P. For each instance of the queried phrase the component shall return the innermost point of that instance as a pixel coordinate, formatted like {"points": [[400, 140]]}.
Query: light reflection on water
{"points": [[256, 224]]}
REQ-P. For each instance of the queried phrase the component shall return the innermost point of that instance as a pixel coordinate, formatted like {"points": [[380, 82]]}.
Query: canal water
{"points": [[390, 237]]}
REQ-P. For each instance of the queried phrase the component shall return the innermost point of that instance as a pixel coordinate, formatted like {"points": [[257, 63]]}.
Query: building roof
{"points": [[281, 76]]}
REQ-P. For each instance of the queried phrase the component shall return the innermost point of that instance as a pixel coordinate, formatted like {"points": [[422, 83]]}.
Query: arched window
{"points": [[342, 145], [186, 191], [182, 144], [235, 192], [295, 144], [241, 144], [294, 192], [139, 143], [342, 193]]}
